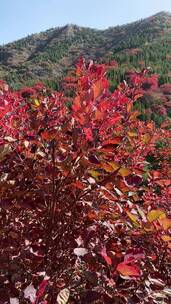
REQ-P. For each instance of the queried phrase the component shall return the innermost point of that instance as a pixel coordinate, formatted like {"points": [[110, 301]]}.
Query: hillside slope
{"points": [[50, 54]]}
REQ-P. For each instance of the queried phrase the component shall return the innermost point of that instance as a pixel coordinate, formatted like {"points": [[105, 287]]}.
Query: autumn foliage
{"points": [[84, 194]]}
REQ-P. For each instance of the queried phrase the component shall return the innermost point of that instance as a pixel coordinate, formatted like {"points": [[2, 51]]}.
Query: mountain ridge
{"points": [[48, 55], [159, 14]]}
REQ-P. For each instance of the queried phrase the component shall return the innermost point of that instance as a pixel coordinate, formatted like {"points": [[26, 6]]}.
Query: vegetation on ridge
{"points": [[49, 55]]}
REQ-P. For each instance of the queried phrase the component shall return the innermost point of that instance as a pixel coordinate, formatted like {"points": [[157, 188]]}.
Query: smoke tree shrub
{"points": [[84, 194]]}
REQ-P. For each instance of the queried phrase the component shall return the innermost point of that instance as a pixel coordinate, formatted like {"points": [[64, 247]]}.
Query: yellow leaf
{"points": [[155, 215], [110, 166], [132, 134], [36, 102], [146, 138], [166, 238], [114, 165], [106, 167], [124, 172], [94, 173], [129, 107], [133, 218], [134, 115]]}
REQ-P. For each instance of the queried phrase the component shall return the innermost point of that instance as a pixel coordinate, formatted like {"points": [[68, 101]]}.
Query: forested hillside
{"points": [[48, 56]]}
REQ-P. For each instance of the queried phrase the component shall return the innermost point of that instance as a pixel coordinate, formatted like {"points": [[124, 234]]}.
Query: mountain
{"points": [[48, 56]]}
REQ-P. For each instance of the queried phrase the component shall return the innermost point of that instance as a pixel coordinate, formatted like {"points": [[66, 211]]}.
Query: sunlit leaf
{"points": [[26, 143], [63, 296], [155, 214], [165, 223], [167, 291], [107, 167], [166, 238], [94, 173], [114, 165], [133, 218], [14, 301], [127, 270], [36, 102], [124, 172], [41, 153], [80, 251], [30, 293], [132, 134], [9, 139]]}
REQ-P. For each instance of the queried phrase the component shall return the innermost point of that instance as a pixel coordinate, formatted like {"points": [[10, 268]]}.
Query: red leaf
{"points": [[110, 122], [113, 141], [97, 89], [114, 119], [88, 133], [126, 270], [105, 256], [78, 185], [41, 290], [76, 104]]}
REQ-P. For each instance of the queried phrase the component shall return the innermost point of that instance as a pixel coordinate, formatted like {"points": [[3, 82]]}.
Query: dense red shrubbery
{"points": [[155, 104], [84, 195]]}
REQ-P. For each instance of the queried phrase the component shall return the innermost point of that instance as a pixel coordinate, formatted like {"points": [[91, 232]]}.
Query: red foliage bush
{"points": [[84, 195]]}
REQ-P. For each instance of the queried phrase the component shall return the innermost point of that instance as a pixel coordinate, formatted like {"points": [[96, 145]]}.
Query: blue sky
{"points": [[19, 18]]}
